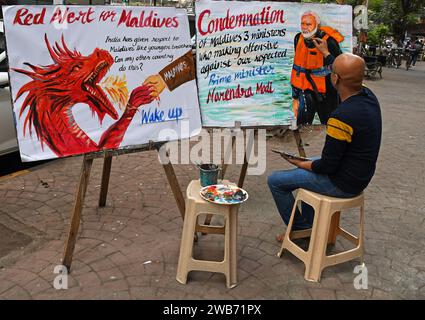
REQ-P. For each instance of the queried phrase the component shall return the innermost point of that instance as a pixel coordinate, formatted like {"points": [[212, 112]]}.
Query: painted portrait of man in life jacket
{"points": [[312, 91]]}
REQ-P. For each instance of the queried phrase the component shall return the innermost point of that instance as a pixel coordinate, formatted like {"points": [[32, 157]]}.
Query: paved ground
{"points": [[130, 248]]}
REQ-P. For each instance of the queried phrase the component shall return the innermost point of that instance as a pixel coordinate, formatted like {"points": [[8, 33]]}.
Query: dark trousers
{"points": [[311, 102]]}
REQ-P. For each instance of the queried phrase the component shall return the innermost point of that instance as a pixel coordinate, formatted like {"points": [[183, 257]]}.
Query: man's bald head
{"points": [[350, 70]]}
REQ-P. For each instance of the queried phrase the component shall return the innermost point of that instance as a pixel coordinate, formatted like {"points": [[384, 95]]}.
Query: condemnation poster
{"points": [[85, 79], [245, 53]]}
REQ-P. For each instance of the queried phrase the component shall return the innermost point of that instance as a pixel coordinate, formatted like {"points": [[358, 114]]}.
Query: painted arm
{"points": [[172, 76], [112, 138], [179, 71]]}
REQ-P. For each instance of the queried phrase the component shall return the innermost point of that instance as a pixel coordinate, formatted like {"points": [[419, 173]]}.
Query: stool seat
{"points": [[196, 205], [325, 229]]}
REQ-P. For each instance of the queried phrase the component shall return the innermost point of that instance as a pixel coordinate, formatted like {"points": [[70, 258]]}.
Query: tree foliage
{"points": [[377, 34], [396, 15]]}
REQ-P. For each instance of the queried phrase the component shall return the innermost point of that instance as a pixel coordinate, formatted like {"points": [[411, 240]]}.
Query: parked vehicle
{"points": [[409, 57], [394, 58], [8, 141]]}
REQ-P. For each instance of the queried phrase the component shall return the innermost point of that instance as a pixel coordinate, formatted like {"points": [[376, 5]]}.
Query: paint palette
{"points": [[224, 194]]}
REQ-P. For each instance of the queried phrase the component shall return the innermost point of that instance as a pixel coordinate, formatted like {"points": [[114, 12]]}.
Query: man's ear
{"points": [[335, 79]]}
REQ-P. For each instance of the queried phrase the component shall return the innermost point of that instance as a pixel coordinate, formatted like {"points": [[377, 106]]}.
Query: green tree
{"points": [[396, 14], [377, 34]]}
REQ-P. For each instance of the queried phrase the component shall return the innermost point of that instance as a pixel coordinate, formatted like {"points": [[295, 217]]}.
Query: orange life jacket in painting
{"points": [[310, 61]]}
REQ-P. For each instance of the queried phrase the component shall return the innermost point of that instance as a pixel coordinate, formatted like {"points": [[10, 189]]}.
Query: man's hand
{"points": [[157, 82], [322, 46], [306, 165]]}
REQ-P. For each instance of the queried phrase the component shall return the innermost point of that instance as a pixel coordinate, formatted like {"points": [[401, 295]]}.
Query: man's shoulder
{"points": [[296, 38], [340, 113], [366, 92], [333, 46], [351, 109], [331, 40]]}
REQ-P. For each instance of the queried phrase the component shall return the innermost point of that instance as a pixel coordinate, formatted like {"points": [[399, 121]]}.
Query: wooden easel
{"points": [[228, 151], [84, 180], [299, 143], [250, 145], [169, 172]]}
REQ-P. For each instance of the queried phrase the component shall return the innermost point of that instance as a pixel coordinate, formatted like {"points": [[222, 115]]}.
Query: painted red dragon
{"points": [[71, 79]]}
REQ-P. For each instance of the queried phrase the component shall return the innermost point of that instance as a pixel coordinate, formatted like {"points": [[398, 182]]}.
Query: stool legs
{"points": [[230, 246], [361, 234], [318, 244], [186, 261], [288, 229], [325, 230], [186, 245], [333, 230]]}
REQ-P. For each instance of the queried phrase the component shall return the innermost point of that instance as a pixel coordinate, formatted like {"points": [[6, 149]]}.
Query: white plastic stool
{"points": [[325, 229], [195, 205]]}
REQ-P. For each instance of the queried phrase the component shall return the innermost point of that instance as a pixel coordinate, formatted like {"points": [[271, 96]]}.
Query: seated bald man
{"points": [[348, 161]]}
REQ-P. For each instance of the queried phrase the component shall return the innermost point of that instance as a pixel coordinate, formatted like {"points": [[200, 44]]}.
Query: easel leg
{"points": [[175, 187], [228, 151], [301, 152], [76, 212], [248, 151], [244, 169], [243, 172], [300, 146], [106, 173]]}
